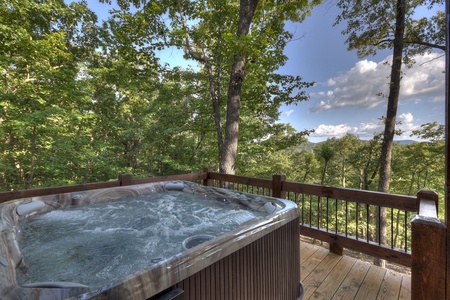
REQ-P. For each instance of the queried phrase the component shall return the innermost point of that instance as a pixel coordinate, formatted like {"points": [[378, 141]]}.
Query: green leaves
{"points": [[370, 26], [83, 102], [40, 77]]}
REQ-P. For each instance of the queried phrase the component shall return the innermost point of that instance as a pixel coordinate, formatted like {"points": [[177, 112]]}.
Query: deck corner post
{"points": [[207, 181], [125, 179], [277, 186], [428, 251], [428, 195]]}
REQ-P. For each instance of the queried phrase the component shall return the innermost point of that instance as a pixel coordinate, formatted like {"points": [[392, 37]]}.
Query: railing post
{"points": [[207, 181], [277, 186], [428, 250], [125, 179], [336, 249]]}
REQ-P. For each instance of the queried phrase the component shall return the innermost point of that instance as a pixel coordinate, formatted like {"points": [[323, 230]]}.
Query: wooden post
{"points": [[125, 179], [207, 181], [428, 250], [447, 136], [277, 186], [430, 196], [336, 249]]}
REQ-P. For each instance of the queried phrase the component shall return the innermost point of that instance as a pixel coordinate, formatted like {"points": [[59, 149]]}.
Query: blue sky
{"points": [[344, 98]]}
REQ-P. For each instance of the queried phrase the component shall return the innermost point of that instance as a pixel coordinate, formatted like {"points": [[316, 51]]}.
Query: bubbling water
{"points": [[100, 243]]}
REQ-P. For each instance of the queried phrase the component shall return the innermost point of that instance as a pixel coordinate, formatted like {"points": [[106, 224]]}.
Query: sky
{"points": [[344, 98]]}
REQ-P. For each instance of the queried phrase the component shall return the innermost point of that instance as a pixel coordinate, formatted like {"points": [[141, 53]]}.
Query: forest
{"points": [[83, 100]]}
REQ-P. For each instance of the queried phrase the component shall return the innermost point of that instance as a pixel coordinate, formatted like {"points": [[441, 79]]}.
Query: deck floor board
{"points": [[326, 275]]}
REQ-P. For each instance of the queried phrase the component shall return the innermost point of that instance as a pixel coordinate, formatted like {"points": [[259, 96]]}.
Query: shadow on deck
{"points": [[326, 275]]}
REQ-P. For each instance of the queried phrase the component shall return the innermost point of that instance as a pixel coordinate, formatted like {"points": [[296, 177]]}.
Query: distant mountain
{"points": [[405, 142], [309, 145]]}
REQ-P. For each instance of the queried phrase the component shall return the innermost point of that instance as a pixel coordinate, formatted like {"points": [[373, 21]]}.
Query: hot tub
{"points": [[145, 241]]}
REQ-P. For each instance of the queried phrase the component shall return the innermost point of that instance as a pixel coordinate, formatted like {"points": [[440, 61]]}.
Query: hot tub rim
{"points": [[238, 238]]}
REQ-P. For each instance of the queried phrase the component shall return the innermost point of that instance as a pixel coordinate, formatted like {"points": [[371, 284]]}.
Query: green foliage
{"points": [[40, 67], [82, 102], [368, 32]]}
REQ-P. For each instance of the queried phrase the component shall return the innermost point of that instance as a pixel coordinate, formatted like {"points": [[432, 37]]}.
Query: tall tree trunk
{"points": [[343, 175], [304, 176], [228, 155], [228, 146], [391, 114], [324, 172], [214, 81], [33, 158]]}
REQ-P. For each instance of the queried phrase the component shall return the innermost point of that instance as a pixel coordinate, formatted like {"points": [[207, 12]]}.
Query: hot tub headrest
{"points": [[174, 186], [270, 207], [28, 208]]}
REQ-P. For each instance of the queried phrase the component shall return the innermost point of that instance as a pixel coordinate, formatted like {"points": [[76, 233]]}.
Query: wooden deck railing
{"points": [[344, 218], [124, 179]]}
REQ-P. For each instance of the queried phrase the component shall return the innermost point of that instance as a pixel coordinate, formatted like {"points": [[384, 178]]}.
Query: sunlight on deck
{"points": [[330, 276]]}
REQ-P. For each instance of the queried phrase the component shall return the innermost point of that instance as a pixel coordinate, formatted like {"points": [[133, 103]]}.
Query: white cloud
{"points": [[406, 126], [361, 85], [369, 127], [425, 78], [365, 66], [440, 98], [406, 118], [288, 113], [332, 130], [367, 130]]}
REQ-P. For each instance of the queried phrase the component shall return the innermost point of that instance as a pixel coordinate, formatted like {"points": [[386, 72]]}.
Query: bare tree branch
{"points": [[187, 44]]}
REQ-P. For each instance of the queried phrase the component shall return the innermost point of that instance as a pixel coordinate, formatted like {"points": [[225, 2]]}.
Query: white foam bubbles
{"points": [[103, 242]]}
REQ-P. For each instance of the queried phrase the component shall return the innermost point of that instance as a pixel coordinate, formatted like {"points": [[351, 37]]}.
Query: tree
{"points": [[237, 76], [389, 129], [326, 153], [239, 42], [346, 146], [366, 161], [40, 55], [367, 33], [303, 165], [425, 158], [180, 136], [272, 153]]}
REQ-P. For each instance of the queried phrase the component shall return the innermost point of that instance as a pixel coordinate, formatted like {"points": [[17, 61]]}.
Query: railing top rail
{"points": [[185, 177], [402, 202], [17, 194], [396, 201], [264, 183]]}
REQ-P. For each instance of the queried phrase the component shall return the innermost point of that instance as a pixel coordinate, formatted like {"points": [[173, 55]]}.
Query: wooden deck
{"points": [[326, 275]]}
